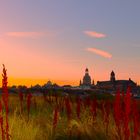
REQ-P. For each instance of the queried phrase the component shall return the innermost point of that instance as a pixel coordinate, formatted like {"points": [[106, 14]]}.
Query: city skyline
{"points": [[34, 81], [47, 40]]}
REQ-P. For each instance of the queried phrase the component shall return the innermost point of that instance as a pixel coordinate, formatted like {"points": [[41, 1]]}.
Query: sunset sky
{"points": [[56, 40]]}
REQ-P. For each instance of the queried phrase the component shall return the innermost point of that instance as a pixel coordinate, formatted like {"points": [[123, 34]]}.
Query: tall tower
{"points": [[112, 76], [86, 78]]}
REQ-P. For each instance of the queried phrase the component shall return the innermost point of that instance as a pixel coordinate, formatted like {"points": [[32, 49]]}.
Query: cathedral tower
{"points": [[112, 76], [86, 78]]}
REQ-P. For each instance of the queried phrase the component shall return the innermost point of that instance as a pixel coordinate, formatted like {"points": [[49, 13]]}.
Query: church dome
{"points": [[86, 78]]}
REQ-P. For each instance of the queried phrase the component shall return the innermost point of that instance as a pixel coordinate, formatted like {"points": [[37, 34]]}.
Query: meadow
{"points": [[52, 116], [56, 117]]}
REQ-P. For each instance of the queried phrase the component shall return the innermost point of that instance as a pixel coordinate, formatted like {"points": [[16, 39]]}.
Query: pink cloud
{"points": [[25, 34], [99, 52], [95, 34]]}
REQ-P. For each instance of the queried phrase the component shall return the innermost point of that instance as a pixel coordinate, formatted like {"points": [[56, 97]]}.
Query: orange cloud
{"points": [[95, 34], [99, 52], [25, 34]]}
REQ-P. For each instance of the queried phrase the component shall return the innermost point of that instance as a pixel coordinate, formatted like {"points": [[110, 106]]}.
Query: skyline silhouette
{"points": [[83, 79]]}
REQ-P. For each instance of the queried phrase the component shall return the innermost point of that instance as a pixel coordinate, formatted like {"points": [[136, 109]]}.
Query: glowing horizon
{"points": [[34, 81], [41, 81]]}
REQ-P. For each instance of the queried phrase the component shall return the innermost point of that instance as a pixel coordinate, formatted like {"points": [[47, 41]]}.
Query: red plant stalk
{"points": [[59, 103], [62, 104], [123, 95], [102, 107], [69, 113], [5, 98], [127, 102], [135, 115], [56, 99], [107, 112], [55, 118], [2, 129], [94, 108], [78, 107], [1, 122], [29, 96], [68, 108], [0, 107], [87, 102], [21, 101], [117, 113], [122, 108]]}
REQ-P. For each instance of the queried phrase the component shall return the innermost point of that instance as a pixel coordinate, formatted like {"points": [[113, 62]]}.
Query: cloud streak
{"points": [[100, 52], [25, 34], [95, 34]]}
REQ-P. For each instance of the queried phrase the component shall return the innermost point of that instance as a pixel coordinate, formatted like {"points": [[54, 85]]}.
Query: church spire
{"points": [[112, 76]]}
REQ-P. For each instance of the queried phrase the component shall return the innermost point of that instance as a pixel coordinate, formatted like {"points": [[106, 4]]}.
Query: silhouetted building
{"points": [[112, 77], [116, 84], [86, 79], [48, 85]]}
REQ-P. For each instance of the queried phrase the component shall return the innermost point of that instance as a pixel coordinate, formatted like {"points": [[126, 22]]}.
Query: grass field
{"points": [[60, 118]]}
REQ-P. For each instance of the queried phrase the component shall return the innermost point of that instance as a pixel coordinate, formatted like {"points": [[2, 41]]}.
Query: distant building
{"points": [[86, 80], [115, 84], [36, 87], [48, 84]]}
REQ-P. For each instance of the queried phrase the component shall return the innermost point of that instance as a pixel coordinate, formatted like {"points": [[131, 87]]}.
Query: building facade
{"points": [[116, 84], [87, 82]]}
